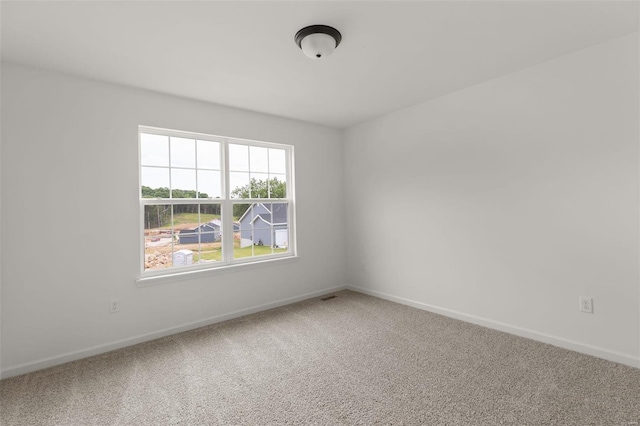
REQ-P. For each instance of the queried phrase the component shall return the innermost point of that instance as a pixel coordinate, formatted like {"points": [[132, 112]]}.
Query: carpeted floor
{"points": [[354, 359]]}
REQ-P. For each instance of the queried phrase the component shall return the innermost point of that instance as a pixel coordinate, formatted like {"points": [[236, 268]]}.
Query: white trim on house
{"points": [[262, 203], [266, 221], [250, 207]]}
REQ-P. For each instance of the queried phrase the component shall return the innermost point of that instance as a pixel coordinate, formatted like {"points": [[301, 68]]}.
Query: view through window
{"points": [[209, 201]]}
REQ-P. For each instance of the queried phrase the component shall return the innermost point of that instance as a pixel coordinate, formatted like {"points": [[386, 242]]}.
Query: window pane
{"points": [[157, 252], [183, 152], [155, 182], [242, 235], [156, 218], [277, 186], [239, 185], [199, 233], [238, 158], [259, 185], [185, 222], [210, 214], [208, 155], [264, 229], [158, 237], [210, 249], [186, 228], [259, 159], [276, 235], [154, 150], [280, 222], [183, 183], [243, 246], [191, 217], [239, 210], [209, 185], [277, 161]]}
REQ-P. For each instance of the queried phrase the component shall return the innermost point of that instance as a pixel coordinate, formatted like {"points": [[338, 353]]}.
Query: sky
{"points": [[193, 164]]}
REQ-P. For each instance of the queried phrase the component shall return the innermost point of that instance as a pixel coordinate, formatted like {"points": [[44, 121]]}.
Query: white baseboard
{"points": [[107, 347], [614, 356]]}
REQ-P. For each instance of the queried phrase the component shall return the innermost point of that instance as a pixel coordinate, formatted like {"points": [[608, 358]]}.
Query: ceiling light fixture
{"points": [[318, 41]]}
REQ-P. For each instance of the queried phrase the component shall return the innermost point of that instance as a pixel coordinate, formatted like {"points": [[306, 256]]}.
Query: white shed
{"points": [[182, 257]]}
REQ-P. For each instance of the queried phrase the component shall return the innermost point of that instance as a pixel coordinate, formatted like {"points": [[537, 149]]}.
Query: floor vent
{"points": [[324, 299]]}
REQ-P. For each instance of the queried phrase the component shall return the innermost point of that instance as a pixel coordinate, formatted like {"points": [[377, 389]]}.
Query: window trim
{"points": [[181, 274], [228, 263]]}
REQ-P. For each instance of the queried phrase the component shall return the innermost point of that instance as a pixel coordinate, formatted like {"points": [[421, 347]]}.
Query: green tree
{"points": [[156, 216], [176, 193], [272, 188]]}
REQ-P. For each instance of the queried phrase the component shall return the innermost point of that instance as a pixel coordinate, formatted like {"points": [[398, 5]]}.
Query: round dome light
{"points": [[318, 41]]}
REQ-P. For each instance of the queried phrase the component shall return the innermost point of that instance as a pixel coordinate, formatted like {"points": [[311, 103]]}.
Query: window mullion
{"points": [[170, 183], [268, 173], [227, 208], [173, 236], [155, 201]]}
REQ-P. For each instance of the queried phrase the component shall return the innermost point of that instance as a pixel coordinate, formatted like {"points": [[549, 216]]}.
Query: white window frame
{"points": [[227, 263]]}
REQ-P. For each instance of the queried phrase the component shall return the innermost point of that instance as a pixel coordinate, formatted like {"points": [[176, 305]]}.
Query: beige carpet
{"points": [[354, 359]]}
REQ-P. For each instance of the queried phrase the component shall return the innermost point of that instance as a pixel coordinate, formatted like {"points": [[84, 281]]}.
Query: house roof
{"points": [[211, 225], [276, 214]]}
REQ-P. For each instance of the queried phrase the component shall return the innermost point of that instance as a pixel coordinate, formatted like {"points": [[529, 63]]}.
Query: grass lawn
{"points": [[191, 218], [214, 251], [216, 254], [257, 251]]}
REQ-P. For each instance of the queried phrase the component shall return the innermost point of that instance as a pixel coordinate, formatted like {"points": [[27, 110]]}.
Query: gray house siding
{"points": [[255, 224], [261, 233], [207, 233]]}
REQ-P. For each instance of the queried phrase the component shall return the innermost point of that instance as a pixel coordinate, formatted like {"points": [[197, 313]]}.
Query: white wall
{"points": [[70, 217], [504, 202], [501, 204]]}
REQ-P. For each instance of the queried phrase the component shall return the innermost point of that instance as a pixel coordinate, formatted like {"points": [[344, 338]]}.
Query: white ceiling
{"points": [[242, 54]]}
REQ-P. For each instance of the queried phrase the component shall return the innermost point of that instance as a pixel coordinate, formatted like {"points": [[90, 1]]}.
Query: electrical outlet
{"points": [[114, 306], [586, 304]]}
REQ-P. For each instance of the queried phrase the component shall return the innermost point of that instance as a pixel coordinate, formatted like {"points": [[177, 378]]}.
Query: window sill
{"points": [[145, 281]]}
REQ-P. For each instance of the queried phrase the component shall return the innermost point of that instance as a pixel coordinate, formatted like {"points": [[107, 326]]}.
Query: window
{"points": [[210, 201]]}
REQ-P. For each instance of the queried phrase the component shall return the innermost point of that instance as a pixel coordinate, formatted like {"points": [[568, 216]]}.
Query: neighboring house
{"points": [[209, 233], [265, 224], [236, 225]]}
